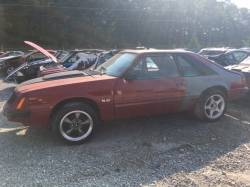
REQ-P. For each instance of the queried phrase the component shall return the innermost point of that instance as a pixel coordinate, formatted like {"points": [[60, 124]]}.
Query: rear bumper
{"points": [[238, 93]]}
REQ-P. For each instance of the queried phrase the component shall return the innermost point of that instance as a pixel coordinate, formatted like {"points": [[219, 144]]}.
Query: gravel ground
{"points": [[174, 150]]}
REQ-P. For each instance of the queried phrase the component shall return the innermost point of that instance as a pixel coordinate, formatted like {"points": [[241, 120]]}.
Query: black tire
{"points": [[58, 124], [200, 111]]}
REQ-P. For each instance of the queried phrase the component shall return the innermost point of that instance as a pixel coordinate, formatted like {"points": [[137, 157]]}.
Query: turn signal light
{"points": [[20, 104]]}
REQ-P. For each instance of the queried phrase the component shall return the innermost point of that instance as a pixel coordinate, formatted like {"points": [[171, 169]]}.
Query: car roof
{"points": [[144, 51], [88, 50], [216, 49], [238, 50]]}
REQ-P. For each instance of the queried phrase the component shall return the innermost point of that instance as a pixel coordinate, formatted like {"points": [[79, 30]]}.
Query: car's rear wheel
{"points": [[75, 122], [211, 106]]}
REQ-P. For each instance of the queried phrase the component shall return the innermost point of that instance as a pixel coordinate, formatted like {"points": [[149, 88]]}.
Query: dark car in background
{"points": [[8, 64]]}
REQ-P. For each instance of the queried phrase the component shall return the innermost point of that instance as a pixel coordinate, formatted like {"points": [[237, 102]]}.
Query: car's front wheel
{"points": [[75, 122], [211, 106]]}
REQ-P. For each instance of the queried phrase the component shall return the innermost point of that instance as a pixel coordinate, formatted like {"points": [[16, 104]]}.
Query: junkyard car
{"points": [[208, 52], [243, 67], [32, 62], [231, 57], [9, 64], [75, 60], [132, 83]]}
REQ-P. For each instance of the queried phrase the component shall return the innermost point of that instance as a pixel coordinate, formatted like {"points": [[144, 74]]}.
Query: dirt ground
{"points": [[174, 150]]}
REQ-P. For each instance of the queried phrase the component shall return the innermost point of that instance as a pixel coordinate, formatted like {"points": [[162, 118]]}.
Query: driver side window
{"points": [[155, 67]]}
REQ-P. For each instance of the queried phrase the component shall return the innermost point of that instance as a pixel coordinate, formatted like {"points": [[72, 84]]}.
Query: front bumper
{"points": [[14, 115]]}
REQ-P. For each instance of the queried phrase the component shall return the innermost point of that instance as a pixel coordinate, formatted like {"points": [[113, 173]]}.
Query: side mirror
{"points": [[130, 75]]}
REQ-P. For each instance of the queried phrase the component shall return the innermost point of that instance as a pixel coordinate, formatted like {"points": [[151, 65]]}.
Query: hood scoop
{"points": [[63, 75], [55, 76]]}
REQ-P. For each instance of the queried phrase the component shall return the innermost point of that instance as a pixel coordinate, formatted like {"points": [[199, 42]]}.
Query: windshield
{"points": [[67, 56], [117, 65], [246, 61]]}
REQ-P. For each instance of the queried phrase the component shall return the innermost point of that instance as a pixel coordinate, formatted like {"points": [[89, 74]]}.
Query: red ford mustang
{"points": [[130, 84]]}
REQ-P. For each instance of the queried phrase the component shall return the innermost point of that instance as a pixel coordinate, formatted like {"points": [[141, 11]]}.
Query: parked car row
{"points": [[43, 62], [131, 83]]}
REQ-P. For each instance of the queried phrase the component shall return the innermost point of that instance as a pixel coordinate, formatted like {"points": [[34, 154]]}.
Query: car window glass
{"points": [[37, 56], [118, 64], [239, 56], [187, 67], [73, 59], [156, 66], [151, 65], [229, 59]]}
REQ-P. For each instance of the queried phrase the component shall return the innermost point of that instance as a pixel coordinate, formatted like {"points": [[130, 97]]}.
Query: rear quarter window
{"points": [[192, 67]]}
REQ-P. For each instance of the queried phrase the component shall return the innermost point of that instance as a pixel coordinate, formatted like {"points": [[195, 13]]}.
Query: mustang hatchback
{"points": [[132, 83]]}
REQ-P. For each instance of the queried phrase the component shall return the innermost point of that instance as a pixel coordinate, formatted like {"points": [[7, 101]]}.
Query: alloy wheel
{"points": [[76, 125], [214, 106]]}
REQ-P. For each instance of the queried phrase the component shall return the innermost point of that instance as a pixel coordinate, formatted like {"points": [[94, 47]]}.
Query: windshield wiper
{"points": [[87, 73], [101, 70]]}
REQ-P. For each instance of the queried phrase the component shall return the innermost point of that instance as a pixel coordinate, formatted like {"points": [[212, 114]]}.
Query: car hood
{"points": [[240, 67], [42, 50], [61, 79]]}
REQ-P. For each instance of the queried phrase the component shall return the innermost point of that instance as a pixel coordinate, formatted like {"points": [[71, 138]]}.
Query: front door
{"points": [[156, 88]]}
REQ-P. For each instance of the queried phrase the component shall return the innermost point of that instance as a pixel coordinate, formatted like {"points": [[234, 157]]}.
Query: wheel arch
{"points": [[217, 87], [90, 102]]}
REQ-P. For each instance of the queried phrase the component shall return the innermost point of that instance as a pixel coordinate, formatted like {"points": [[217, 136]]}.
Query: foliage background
{"points": [[123, 23]]}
